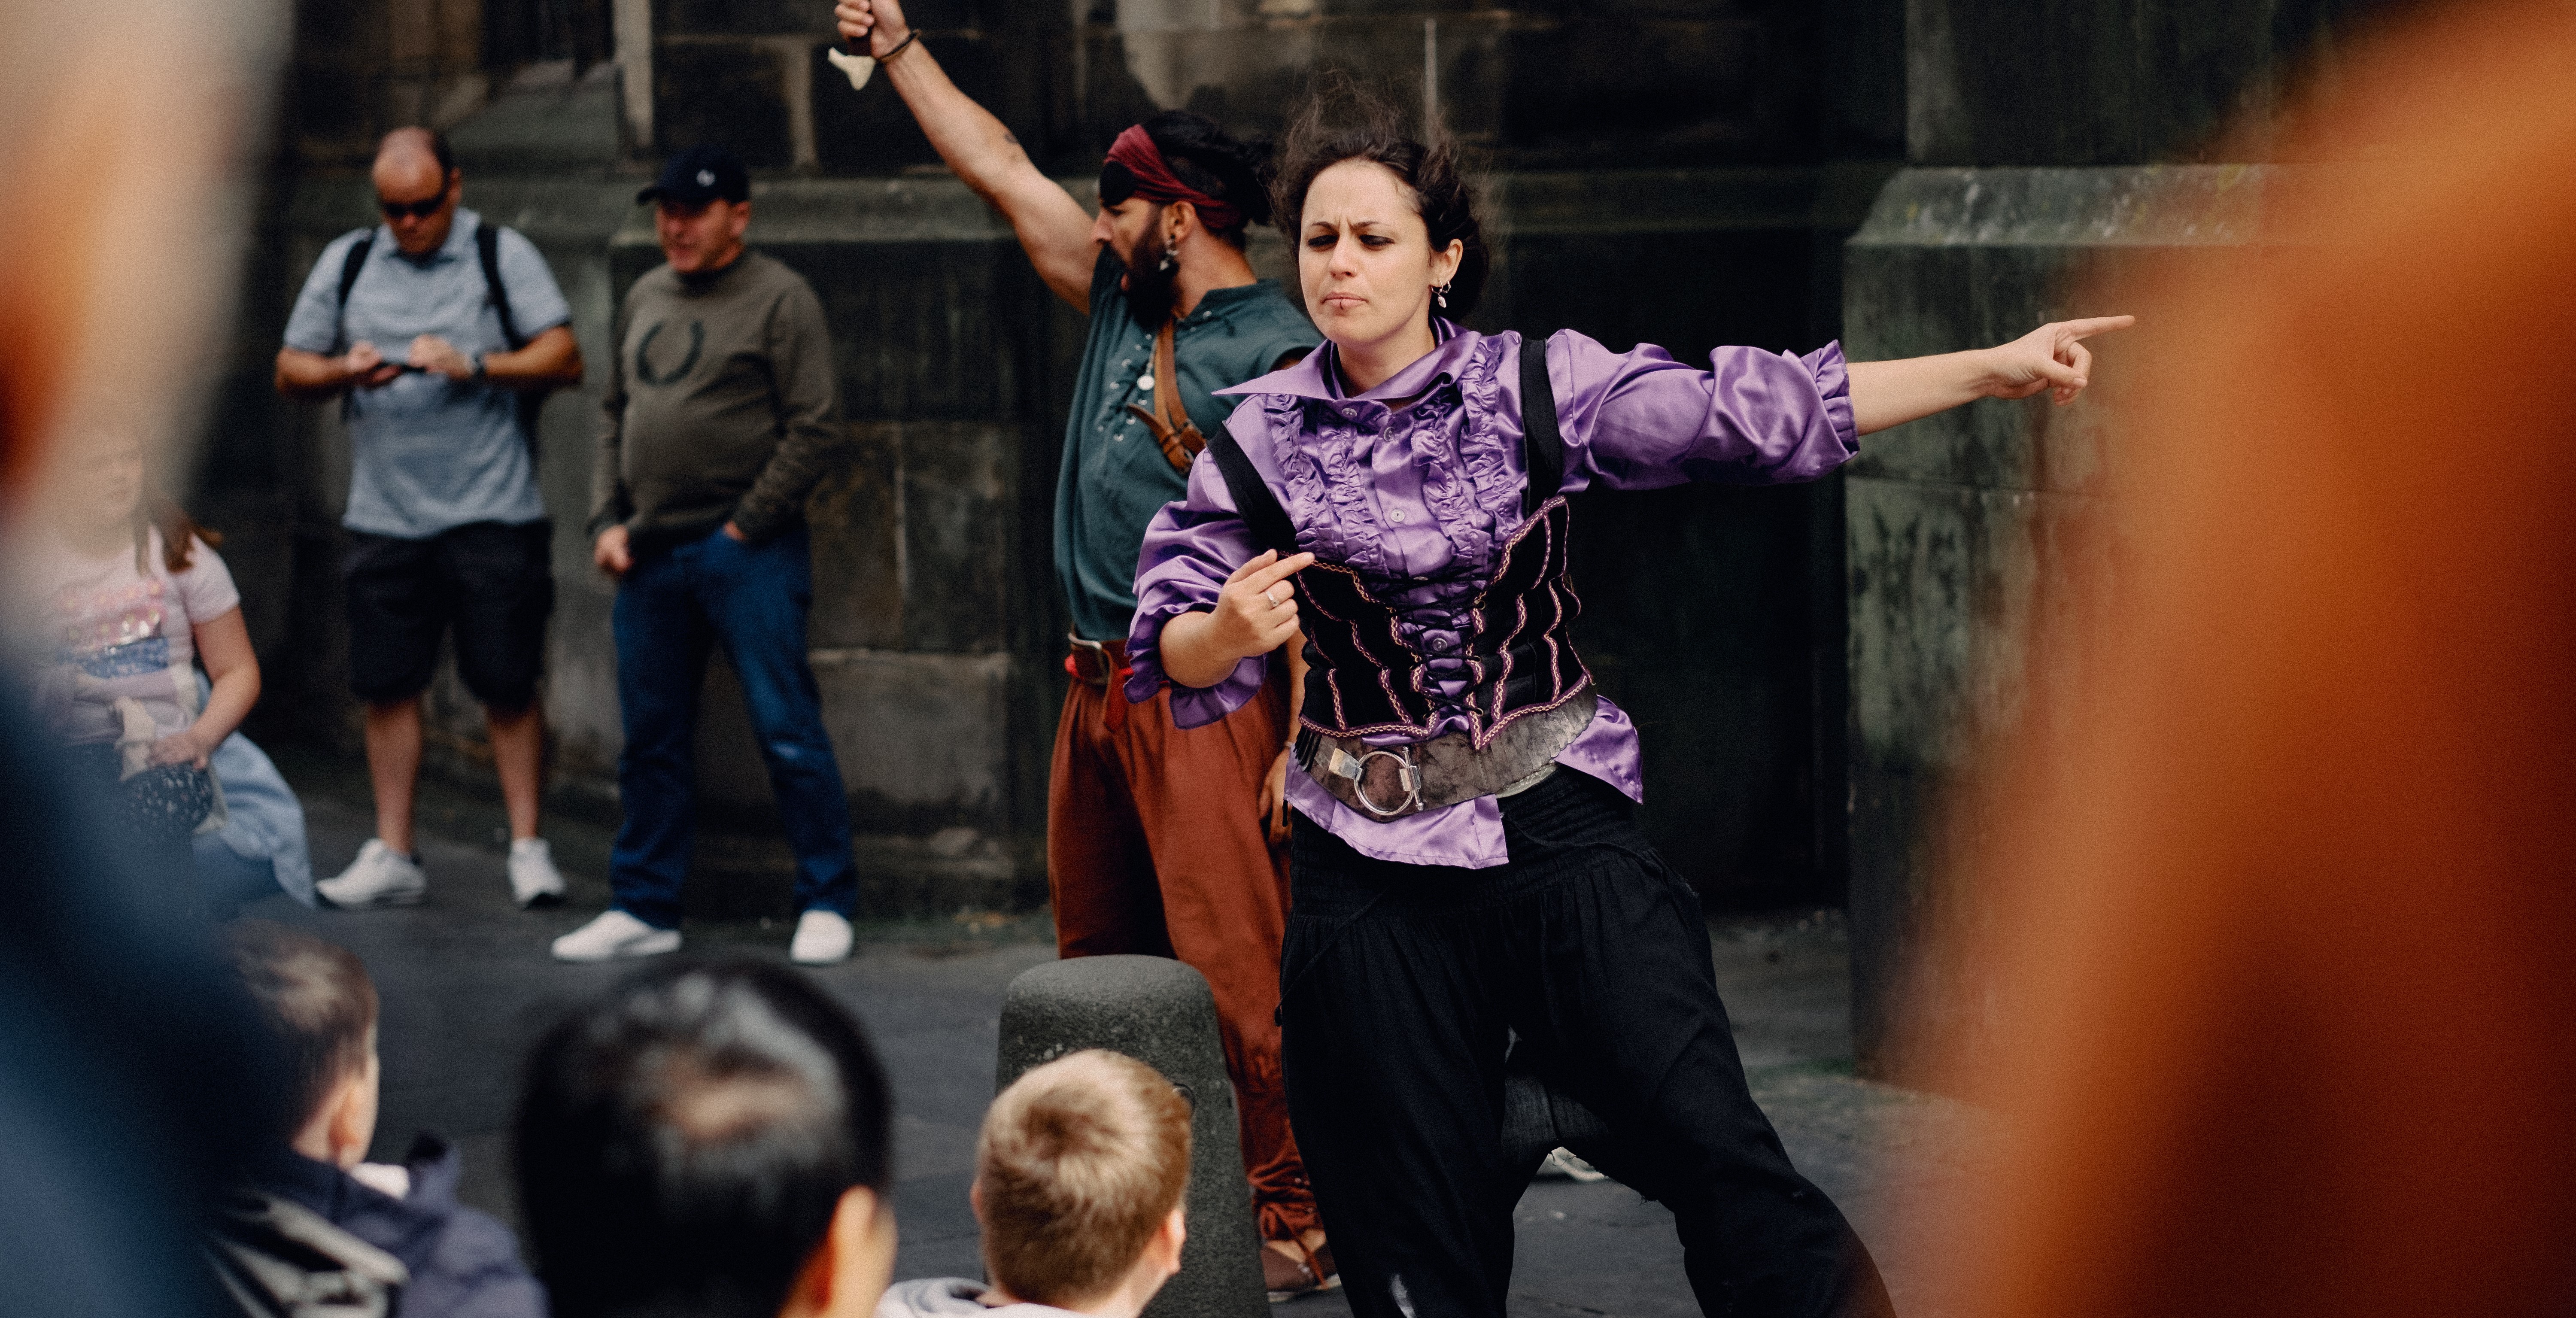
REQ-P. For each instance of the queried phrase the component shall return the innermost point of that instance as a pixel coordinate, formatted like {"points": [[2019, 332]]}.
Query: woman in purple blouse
{"points": [[1470, 888]]}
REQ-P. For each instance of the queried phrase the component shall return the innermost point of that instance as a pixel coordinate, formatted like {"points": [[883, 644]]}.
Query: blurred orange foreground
{"points": [[2291, 964]]}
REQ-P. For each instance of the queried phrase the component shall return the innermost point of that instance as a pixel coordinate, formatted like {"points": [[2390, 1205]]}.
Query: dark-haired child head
{"points": [[710, 1140], [316, 998]]}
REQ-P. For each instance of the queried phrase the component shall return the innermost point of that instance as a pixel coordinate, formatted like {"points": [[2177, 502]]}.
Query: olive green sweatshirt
{"points": [[721, 405]]}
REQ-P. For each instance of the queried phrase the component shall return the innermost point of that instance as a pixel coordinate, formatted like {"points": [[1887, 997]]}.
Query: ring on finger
{"points": [[1269, 597]]}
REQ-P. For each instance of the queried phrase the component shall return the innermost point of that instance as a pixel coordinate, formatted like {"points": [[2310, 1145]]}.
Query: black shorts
{"points": [[493, 583]]}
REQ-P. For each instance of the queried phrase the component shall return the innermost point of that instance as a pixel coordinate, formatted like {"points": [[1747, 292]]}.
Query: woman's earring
{"points": [[1440, 295]]}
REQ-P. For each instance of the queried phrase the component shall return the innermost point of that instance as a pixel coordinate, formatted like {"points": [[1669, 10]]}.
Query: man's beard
{"points": [[1152, 287]]}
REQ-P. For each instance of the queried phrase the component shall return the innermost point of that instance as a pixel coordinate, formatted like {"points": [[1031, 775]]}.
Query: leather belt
{"points": [[1102, 664], [1096, 662], [1391, 782]]}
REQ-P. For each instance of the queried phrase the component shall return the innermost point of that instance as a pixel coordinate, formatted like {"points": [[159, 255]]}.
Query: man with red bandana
{"points": [[1159, 840]]}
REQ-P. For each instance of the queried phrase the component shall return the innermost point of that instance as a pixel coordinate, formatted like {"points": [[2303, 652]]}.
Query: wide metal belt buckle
{"points": [[1350, 767]]}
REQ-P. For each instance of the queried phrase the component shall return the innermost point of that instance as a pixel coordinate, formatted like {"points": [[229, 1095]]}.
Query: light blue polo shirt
{"points": [[428, 453]]}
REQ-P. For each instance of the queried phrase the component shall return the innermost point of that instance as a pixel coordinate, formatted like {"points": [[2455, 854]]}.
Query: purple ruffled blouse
{"points": [[1425, 471]]}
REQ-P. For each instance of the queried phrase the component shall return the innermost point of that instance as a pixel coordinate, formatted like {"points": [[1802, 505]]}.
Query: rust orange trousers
{"points": [[1156, 846]]}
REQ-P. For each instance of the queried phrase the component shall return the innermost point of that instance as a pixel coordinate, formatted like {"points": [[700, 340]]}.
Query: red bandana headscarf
{"points": [[1155, 181]]}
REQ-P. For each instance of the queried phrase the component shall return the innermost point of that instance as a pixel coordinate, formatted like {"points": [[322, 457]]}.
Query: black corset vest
{"points": [[1363, 678]]}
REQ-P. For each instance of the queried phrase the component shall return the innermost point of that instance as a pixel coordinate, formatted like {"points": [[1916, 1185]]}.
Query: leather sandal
{"points": [[1286, 1278]]}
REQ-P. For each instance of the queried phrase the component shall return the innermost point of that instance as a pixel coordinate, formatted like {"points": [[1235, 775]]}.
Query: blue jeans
{"points": [[752, 599]]}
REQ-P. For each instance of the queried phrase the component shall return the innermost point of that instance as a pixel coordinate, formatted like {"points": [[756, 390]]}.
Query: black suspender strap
{"points": [[1253, 500], [487, 245], [1542, 448]]}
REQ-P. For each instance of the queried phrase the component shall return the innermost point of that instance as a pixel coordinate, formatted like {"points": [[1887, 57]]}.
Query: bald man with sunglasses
{"points": [[437, 334]]}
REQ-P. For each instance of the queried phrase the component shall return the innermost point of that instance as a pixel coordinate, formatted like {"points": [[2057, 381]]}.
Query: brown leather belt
{"points": [[1390, 782], [1096, 662], [1102, 664]]}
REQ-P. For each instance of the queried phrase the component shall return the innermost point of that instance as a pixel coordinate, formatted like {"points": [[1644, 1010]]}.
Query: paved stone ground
{"points": [[467, 985]]}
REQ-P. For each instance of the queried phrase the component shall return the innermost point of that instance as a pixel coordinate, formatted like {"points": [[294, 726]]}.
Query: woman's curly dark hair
{"points": [[1343, 120], [1205, 156]]}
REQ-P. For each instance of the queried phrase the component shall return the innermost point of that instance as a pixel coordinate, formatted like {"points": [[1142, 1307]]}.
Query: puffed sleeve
{"points": [[1191, 547], [1639, 420]]}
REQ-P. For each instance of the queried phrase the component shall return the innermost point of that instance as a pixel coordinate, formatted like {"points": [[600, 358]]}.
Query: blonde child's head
{"points": [[1079, 1177]]}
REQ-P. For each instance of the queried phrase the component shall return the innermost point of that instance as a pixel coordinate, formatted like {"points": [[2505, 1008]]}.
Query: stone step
{"points": [[544, 119]]}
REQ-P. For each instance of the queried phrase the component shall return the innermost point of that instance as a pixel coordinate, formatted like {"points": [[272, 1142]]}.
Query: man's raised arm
{"points": [[1052, 226]]}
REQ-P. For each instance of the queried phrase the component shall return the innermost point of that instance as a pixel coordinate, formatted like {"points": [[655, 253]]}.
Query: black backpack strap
{"points": [[1542, 447], [532, 402], [1253, 500], [352, 264], [487, 245]]}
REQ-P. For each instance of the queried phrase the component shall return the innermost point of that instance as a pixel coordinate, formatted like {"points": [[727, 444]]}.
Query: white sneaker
{"points": [[615, 934], [822, 938], [533, 876], [380, 876]]}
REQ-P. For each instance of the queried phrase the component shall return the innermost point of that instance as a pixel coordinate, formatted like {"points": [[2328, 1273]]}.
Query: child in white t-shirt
{"points": [[130, 598]]}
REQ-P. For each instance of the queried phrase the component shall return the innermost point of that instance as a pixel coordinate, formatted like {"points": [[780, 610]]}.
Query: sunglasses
{"points": [[418, 210]]}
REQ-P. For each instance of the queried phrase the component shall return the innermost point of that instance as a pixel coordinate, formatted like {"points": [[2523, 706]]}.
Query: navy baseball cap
{"points": [[698, 175]]}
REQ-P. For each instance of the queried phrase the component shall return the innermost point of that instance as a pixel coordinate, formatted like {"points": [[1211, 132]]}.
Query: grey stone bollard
{"points": [[1159, 1012]]}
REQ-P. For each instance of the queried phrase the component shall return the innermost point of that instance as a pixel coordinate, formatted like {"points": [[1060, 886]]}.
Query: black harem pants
{"points": [[1404, 987]]}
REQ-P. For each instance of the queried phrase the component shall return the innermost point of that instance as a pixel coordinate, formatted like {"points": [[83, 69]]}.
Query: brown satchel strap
{"points": [[1167, 388], [1169, 421]]}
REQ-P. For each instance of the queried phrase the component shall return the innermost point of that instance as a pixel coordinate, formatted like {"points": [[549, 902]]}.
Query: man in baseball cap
{"points": [[722, 413], [698, 175]]}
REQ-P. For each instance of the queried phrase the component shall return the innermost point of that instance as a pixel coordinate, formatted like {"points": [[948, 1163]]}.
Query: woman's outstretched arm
{"points": [[2052, 357]]}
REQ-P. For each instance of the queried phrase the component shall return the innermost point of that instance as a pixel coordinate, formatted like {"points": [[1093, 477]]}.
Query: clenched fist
{"points": [[875, 26]]}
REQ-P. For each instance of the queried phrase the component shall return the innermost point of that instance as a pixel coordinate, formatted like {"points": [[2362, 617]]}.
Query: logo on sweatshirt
{"points": [[644, 371]]}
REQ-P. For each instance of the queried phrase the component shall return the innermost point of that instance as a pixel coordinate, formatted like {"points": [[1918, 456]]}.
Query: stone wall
{"points": [[1678, 173], [2034, 132], [1546, 84], [361, 67]]}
